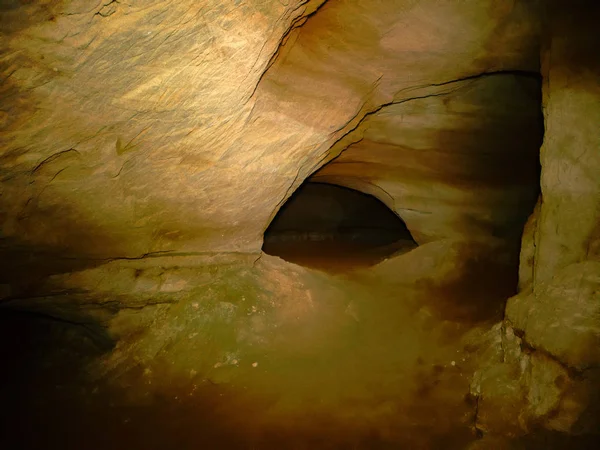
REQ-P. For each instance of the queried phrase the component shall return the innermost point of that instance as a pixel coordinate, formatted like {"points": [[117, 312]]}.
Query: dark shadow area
{"points": [[335, 229], [23, 264], [41, 385]]}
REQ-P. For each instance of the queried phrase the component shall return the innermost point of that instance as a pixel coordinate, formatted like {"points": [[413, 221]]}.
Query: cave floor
{"points": [[372, 365]]}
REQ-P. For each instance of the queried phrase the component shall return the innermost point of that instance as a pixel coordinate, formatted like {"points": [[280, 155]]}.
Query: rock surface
{"points": [[140, 127], [568, 229], [339, 359], [562, 318], [146, 146], [456, 161], [556, 314], [518, 389]]}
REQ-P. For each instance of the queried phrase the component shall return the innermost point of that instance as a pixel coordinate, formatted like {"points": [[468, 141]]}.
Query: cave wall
{"points": [[559, 306], [460, 163], [424, 134], [134, 128], [127, 130], [569, 227], [549, 344], [121, 121]]}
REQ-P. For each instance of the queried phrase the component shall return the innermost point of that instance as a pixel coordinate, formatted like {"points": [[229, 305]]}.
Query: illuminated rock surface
{"points": [[146, 147]]}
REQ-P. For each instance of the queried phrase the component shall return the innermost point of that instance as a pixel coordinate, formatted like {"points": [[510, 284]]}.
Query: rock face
{"points": [[569, 224], [143, 127], [557, 313], [155, 140], [458, 160], [562, 317], [518, 389]]}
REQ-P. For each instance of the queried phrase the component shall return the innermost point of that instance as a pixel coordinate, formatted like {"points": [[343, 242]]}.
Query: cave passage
{"points": [[335, 228]]}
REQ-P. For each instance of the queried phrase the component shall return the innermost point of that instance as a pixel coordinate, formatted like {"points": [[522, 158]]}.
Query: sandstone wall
{"points": [[141, 127], [551, 357]]}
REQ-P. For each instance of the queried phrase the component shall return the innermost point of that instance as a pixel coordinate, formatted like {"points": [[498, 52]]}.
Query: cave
{"points": [[335, 228], [303, 224]]}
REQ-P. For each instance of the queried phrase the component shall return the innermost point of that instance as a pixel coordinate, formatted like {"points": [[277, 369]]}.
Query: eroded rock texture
{"points": [[459, 161], [146, 146], [557, 314], [131, 128]]}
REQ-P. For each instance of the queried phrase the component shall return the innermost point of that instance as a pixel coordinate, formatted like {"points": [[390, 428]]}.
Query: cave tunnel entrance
{"points": [[335, 228]]}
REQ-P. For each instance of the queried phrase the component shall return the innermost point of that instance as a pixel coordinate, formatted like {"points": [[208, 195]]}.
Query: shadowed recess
{"points": [[335, 228]]}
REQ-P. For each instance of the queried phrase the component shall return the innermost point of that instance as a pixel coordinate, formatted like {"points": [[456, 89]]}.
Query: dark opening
{"points": [[335, 228]]}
